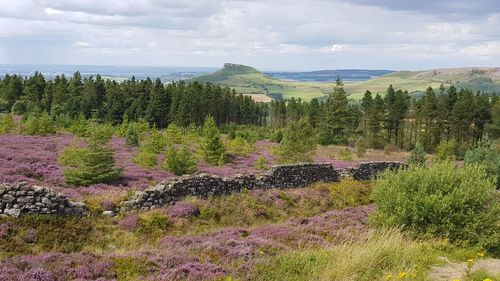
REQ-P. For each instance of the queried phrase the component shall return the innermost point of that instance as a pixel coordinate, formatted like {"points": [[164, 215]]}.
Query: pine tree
{"points": [[159, 106], [418, 156], [92, 164], [314, 112], [335, 121], [212, 147], [132, 135], [180, 161], [174, 135], [494, 126], [297, 144]]}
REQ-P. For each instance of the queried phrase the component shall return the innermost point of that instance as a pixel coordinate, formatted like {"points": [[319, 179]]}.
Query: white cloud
{"points": [[300, 34]]}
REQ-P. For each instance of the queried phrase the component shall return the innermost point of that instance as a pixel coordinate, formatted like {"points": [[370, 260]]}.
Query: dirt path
{"points": [[456, 270]]}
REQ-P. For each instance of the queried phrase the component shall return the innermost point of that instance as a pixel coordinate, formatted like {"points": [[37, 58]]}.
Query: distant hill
{"points": [[473, 78], [248, 80]]}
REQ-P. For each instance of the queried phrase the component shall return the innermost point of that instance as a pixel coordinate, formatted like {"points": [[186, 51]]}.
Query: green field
{"points": [[248, 80]]}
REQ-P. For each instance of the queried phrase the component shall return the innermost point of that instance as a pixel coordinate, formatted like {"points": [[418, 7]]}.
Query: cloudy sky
{"points": [[268, 34]]}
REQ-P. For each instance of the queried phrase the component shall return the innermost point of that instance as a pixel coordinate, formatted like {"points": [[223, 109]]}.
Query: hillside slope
{"points": [[248, 80], [474, 78]]}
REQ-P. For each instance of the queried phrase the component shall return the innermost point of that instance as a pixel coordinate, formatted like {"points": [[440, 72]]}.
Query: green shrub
{"points": [[6, 123], [62, 120], [441, 201], [418, 157], [83, 166], [446, 151], [361, 149], [145, 158], [277, 136], [19, 107], [210, 213], [180, 161], [41, 125], [212, 147], [155, 142], [98, 134], [345, 154], [261, 163], [349, 193], [240, 147], [132, 135], [485, 154], [297, 144], [174, 135], [79, 126], [131, 268]]}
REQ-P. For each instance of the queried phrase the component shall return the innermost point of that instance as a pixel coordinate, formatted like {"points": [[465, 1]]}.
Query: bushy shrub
{"points": [[261, 163], [145, 158], [297, 144], [132, 135], [62, 120], [418, 157], [277, 136], [130, 268], [441, 201], [180, 161], [349, 193], [153, 224], [6, 123], [240, 147], [446, 151], [345, 154], [19, 107], [212, 147], [361, 148], [155, 142], [174, 135], [79, 126], [485, 154], [84, 166], [149, 150], [39, 124]]}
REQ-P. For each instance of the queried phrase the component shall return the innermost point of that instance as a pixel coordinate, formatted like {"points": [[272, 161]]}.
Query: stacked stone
{"points": [[369, 170], [204, 185], [20, 199], [298, 175]]}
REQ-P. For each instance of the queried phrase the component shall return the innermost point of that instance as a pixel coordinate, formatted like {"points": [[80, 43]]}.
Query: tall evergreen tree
{"points": [[336, 116]]}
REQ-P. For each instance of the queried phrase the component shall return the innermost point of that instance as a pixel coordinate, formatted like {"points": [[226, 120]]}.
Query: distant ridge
{"points": [[248, 80]]}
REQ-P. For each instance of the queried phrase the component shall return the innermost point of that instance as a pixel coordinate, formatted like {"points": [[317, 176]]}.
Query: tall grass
{"points": [[378, 256]]}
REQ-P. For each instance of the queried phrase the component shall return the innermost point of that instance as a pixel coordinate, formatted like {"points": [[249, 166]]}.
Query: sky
{"points": [[267, 34]]}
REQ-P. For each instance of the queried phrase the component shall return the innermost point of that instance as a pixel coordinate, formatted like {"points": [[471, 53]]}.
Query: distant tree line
{"points": [[448, 114], [397, 118], [113, 102]]}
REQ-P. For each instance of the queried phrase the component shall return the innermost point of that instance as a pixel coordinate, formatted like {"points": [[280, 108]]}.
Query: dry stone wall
{"points": [[283, 176], [369, 170], [20, 199]]}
